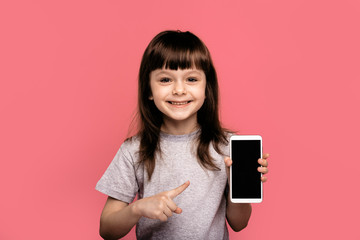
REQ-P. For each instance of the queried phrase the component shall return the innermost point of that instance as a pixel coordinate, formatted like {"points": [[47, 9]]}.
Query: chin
{"points": [[179, 118]]}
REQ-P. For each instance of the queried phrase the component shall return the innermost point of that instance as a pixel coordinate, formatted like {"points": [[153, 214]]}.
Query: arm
{"points": [[237, 214], [117, 219]]}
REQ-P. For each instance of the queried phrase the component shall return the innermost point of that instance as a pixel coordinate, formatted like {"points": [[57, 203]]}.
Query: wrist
{"points": [[135, 208]]}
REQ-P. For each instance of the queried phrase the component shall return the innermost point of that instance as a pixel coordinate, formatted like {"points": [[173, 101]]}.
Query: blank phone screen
{"points": [[246, 182]]}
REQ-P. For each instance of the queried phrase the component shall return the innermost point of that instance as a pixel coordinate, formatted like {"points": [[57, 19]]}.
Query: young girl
{"points": [[177, 162]]}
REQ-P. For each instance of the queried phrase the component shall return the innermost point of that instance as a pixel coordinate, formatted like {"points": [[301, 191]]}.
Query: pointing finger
{"points": [[173, 193]]}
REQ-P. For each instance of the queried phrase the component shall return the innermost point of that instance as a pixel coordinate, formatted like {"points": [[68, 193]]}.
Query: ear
{"points": [[151, 98]]}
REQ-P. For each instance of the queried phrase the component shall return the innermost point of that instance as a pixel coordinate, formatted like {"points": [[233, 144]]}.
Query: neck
{"points": [[179, 127]]}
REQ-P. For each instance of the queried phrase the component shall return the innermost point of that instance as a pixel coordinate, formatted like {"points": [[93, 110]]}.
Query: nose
{"points": [[179, 88]]}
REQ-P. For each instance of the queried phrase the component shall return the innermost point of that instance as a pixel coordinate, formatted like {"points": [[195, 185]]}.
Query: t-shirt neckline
{"points": [[178, 137]]}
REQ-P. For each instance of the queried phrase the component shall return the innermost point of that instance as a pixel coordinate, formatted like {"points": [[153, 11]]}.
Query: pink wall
{"points": [[288, 70]]}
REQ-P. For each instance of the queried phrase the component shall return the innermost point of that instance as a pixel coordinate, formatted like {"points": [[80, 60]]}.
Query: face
{"points": [[178, 94]]}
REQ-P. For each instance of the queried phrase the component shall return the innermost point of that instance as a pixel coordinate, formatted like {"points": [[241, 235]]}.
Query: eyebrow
{"points": [[187, 73]]}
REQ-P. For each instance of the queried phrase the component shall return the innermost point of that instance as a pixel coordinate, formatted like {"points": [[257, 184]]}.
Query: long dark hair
{"points": [[174, 50]]}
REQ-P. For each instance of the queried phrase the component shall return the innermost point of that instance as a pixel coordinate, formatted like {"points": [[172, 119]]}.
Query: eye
{"points": [[192, 79], [164, 80]]}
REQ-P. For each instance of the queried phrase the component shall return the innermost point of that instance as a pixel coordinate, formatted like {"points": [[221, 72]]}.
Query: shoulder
{"points": [[132, 142], [130, 148], [225, 144], [227, 134]]}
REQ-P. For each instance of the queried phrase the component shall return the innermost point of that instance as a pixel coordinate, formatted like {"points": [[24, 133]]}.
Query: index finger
{"points": [[173, 193]]}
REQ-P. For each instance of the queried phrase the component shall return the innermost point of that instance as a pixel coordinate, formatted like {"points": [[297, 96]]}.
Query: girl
{"points": [[180, 141]]}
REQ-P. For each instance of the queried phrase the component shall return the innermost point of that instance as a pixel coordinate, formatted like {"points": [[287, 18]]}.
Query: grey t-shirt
{"points": [[203, 202]]}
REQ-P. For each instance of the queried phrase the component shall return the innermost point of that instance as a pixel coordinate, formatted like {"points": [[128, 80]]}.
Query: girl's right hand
{"points": [[160, 206]]}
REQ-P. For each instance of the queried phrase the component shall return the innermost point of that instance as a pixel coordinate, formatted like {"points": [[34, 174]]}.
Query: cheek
{"points": [[202, 93], [159, 93]]}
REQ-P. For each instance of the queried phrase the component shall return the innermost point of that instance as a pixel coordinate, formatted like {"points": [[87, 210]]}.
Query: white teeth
{"points": [[179, 103]]}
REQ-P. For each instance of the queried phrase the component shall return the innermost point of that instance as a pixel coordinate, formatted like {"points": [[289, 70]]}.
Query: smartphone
{"points": [[245, 179]]}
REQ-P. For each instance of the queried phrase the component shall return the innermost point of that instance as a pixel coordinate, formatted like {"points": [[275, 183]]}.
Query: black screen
{"points": [[246, 182]]}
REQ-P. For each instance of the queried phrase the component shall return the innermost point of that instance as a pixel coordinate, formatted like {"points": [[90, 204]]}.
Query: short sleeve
{"points": [[119, 179]]}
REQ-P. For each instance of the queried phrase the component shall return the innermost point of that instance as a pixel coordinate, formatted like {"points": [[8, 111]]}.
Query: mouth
{"points": [[179, 103]]}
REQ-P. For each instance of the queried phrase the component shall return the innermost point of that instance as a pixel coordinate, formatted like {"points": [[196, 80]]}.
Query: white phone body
{"points": [[245, 180]]}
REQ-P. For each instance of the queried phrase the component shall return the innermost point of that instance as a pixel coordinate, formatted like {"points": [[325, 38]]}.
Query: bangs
{"points": [[174, 60], [179, 51]]}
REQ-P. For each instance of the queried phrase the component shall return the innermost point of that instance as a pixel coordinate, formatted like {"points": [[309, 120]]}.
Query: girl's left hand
{"points": [[262, 161]]}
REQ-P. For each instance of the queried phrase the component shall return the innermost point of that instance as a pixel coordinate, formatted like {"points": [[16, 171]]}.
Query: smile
{"points": [[178, 103]]}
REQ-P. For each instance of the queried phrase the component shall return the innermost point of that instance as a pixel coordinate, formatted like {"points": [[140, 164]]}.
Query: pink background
{"points": [[288, 70]]}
